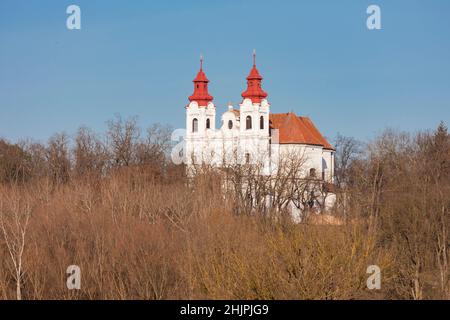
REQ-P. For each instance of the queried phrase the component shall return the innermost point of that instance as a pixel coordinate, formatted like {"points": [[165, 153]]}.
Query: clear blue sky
{"points": [[139, 58]]}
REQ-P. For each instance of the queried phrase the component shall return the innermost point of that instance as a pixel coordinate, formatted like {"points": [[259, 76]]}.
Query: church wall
{"points": [[328, 164], [311, 156]]}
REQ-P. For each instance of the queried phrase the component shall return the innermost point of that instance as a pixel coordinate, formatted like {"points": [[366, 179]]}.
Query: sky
{"points": [[138, 58]]}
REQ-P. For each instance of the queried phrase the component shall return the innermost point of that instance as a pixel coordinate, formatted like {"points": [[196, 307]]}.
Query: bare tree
{"points": [[38, 163], [347, 150], [152, 152], [14, 163], [434, 151], [122, 137], [15, 213], [58, 158], [90, 153]]}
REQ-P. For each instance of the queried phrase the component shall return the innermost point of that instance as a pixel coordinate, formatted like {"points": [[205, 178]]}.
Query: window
{"points": [[312, 173], [208, 124], [261, 122], [195, 125], [247, 158], [230, 124], [248, 123]]}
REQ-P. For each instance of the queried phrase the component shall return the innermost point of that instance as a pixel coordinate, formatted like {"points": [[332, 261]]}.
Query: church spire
{"points": [[254, 90], [201, 95]]}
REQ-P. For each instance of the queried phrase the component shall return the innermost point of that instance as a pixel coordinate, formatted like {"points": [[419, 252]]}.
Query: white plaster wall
{"points": [[197, 145], [254, 141], [311, 156], [328, 164]]}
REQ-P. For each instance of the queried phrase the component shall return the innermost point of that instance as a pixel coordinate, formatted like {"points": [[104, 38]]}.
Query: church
{"points": [[251, 133]]}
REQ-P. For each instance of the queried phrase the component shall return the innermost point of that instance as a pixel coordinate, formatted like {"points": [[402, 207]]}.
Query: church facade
{"points": [[252, 134]]}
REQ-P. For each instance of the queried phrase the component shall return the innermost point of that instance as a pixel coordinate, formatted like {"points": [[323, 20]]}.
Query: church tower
{"points": [[200, 118], [254, 118]]}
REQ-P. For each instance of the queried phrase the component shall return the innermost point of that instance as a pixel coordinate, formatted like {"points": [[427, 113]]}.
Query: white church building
{"points": [[251, 133]]}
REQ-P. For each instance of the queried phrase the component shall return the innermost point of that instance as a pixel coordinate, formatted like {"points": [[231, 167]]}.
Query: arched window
{"points": [[312, 173], [261, 122], [248, 123], [195, 125], [247, 158], [230, 124], [208, 124]]}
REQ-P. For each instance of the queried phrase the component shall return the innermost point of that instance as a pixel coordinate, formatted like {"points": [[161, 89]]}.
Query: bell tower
{"points": [[200, 118], [254, 117]]}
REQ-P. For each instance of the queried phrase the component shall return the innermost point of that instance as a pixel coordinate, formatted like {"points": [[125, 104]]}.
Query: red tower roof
{"points": [[254, 90], [201, 95]]}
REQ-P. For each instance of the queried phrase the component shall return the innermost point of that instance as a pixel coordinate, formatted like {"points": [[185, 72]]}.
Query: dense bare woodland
{"points": [[116, 206]]}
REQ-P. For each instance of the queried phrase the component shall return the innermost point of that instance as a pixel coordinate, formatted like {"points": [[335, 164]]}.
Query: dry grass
{"points": [[138, 240]]}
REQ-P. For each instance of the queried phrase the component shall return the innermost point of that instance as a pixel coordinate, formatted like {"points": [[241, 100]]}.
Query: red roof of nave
{"points": [[297, 130]]}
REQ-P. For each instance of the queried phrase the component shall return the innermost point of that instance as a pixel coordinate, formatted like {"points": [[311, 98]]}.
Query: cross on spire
{"points": [[201, 61], [254, 57]]}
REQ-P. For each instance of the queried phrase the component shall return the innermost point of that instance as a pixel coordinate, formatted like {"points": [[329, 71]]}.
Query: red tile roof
{"points": [[297, 130]]}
